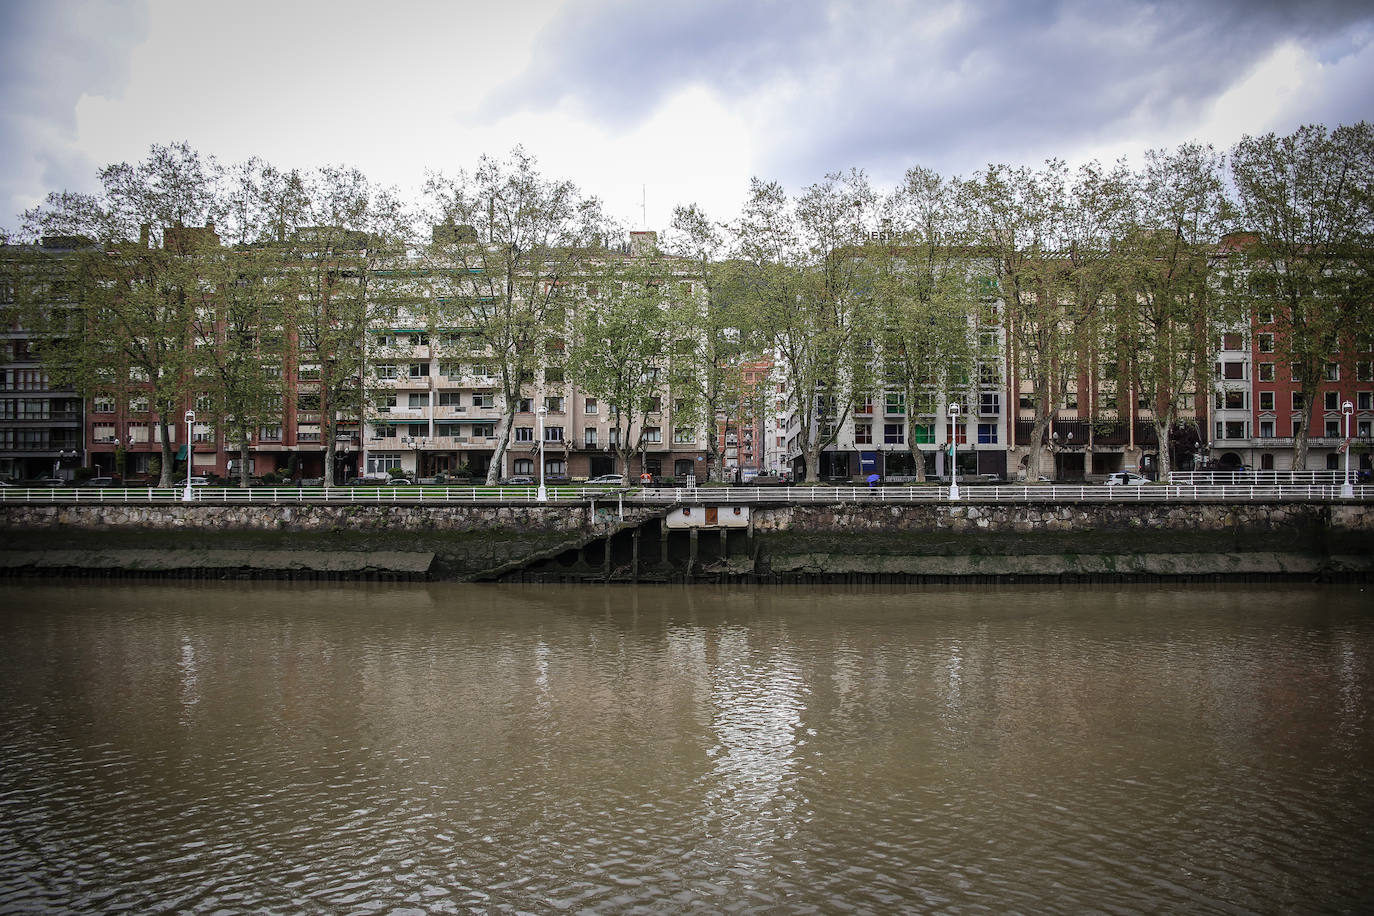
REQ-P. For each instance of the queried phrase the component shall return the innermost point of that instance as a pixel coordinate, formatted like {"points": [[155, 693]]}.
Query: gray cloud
{"points": [[954, 85], [51, 54]]}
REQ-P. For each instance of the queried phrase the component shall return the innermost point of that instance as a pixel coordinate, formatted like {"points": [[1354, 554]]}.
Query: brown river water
{"points": [[408, 749]]}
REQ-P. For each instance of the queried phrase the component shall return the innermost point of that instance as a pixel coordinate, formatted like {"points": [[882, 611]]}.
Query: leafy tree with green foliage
{"points": [[1162, 322], [809, 293], [505, 261], [925, 301], [622, 338]]}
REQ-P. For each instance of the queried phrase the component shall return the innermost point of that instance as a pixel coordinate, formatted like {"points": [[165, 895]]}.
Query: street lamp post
{"points": [[543, 495], [954, 451], [1347, 490], [187, 496]]}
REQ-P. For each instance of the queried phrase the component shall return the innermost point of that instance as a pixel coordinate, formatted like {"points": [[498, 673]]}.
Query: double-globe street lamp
{"points": [[1347, 489], [543, 495], [187, 495], [953, 451]]}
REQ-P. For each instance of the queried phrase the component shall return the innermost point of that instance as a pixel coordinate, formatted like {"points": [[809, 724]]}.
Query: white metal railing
{"points": [[439, 495], [1003, 494], [1267, 478]]}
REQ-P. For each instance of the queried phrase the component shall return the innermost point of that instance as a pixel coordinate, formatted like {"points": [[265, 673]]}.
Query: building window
{"points": [[554, 375], [1297, 400], [987, 433], [385, 371], [1362, 428], [591, 406], [684, 435], [865, 406], [1265, 314], [103, 405], [589, 437], [419, 370], [450, 399], [1364, 372], [1332, 400], [1233, 371], [484, 430], [1297, 427], [1266, 343], [523, 466], [1266, 429], [553, 434], [382, 464], [1232, 342], [483, 400], [524, 434], [896, 403], [653, 434], [894, 433], [417, 400], [924, 433], [138, 405], [1364, 400], [553, 404], [1331, 372], [989, 403], [1266, 400], [1333, 429], [1231, 400], [1266, 372], [863, 433], [555, 467], [957, 434]]}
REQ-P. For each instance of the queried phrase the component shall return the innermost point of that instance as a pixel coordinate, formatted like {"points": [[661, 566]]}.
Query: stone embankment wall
{"points": [[920, 542], [1086, 540], [386, 541]]}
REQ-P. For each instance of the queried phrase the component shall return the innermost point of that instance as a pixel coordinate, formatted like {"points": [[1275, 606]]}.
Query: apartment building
{"points": [[436, 400], [1258, 405], [41, 423]]}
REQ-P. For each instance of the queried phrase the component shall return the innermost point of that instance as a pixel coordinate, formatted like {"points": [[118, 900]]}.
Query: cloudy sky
{"points": [[648, 104]]}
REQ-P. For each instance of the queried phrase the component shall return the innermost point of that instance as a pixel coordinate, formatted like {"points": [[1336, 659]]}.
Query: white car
{"points": [[1126, 479], [610, 480]]}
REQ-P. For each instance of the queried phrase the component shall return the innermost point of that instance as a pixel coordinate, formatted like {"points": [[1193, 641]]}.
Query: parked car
{"points": [[199, 481], [1126, 479], [612, 480], [50, 482], [100, 482], [519, 481]]}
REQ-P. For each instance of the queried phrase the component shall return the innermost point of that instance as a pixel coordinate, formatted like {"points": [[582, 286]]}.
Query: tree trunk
{"points": [[812, 455], [1033, 470], [243, 457], [168, 456], [1162, 426], [1300, 439], [498, 457], [327, 430], [920, 461]]}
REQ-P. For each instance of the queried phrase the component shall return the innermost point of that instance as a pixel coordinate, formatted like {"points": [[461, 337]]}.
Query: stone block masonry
{"points": [[918, 542]]}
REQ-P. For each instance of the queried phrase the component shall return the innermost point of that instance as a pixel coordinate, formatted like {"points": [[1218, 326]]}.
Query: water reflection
{"points": [[455, 748]]}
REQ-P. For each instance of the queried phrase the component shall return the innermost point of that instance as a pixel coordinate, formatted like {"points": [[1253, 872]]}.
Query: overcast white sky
{"points": [[676, 102]]}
